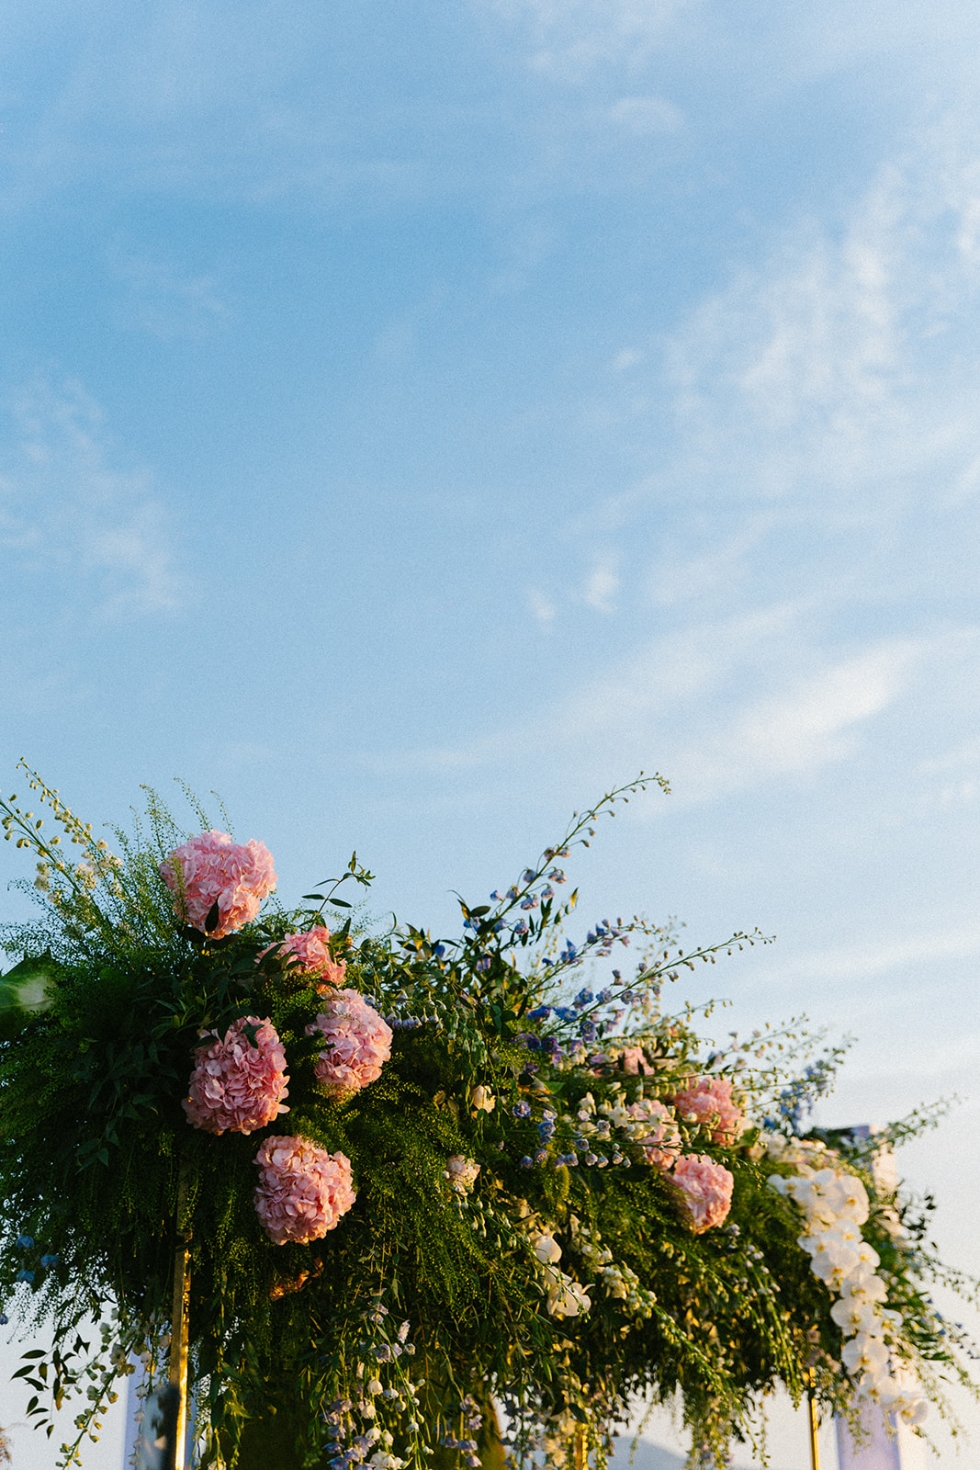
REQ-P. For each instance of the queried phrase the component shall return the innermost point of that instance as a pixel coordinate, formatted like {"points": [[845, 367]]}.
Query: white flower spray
{"points": [[835, 1205], [566, 1298]]}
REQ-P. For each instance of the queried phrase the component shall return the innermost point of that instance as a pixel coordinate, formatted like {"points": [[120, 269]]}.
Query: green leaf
{"points": [[25, 992]]}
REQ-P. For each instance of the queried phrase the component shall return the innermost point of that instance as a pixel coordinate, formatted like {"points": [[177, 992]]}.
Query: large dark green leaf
{"points": [[25, 991]]}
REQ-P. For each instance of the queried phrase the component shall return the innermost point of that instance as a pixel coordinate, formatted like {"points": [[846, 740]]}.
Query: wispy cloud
{"points": [[616, 713], [164, 301], [569, 39], [96, 534], [601, 585], [798, 729], [849, 358], [542, 607], [917, 952], [645, 115], [725, 707], [821, 434]]}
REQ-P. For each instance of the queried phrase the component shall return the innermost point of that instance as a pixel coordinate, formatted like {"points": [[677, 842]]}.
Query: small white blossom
{"points": [[546, 1248]]}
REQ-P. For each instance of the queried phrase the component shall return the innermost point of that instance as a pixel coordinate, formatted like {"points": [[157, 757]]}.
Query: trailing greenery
{"points": [[514, 1049]]}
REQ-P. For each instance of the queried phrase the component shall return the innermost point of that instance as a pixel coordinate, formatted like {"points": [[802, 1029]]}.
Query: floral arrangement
{"points": [[445, 1199], [835, 1206]]}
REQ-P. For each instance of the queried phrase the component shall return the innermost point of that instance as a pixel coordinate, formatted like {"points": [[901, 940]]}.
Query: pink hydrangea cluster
{"points": [[655, 1129], [709, 1101], [302, 1191], [705, 1189], [237, 1086], [634, 1060], [312, 957], [212, 869], [461, 1173], [357, 1043]]}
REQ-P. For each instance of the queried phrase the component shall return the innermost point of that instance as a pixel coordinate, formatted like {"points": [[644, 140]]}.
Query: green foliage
{"points": [[386, 1336]]}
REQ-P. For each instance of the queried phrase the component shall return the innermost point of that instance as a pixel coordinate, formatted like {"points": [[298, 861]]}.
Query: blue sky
{"points": [[415, 419]]}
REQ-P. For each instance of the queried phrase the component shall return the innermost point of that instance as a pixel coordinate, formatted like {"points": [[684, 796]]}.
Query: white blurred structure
{"points": [[880, 1451]]}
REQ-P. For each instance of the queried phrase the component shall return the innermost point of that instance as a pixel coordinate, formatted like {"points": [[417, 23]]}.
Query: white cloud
{"points": [[683, 697], [812, 723], [963, 756], [601, 585], [644, 115], [677, 576], [849, 359], [618, 714], [814, 384], [919, 952], [628, 357], [98, 534], [569, 39], [541, 607], [166, 302]]}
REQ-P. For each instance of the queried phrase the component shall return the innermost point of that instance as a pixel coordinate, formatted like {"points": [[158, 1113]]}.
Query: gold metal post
{"points": [[581, 1451], [811, 1405], [180, 1327]]}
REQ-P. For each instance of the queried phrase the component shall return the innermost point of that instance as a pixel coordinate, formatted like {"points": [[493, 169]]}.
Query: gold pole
{"points": [[180, 1327], [811, 1405], [581, 1452]]}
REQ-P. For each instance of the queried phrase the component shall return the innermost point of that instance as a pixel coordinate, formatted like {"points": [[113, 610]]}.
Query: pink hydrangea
{"points": [[655, 1130], [236, 1086], [212, 869], [634, 1060], [709, 1101], [357, 1043], [461, 1173], [705, 1190], [312, 957], [303, 1191]]}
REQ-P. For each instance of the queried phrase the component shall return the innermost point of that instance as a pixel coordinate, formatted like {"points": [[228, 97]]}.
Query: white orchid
{"points": [[835, 1205], [868, 1288], [866, 1356], [566, 1298], [546, 1248], [854, 1315]]}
